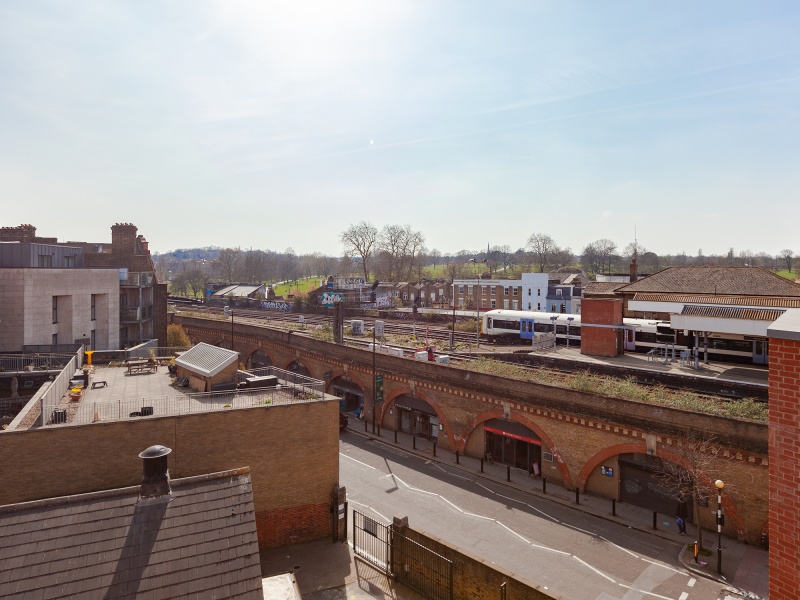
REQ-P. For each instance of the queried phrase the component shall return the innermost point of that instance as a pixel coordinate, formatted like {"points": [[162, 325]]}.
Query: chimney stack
{"points": [[155, 482], [634, 271]]}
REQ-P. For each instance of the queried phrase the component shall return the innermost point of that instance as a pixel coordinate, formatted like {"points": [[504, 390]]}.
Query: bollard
{"points": [[481, 465], [365, 426], [379, 430], [613, 507], [508, 472], [415, 442], [655, 520], [695, 551], [395, 436], [544, 485], [434, 448], [458, 463], [577, 495]]}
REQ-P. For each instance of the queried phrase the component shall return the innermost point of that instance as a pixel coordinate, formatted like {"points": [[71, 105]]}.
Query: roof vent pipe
{"points": [[155, 481]]}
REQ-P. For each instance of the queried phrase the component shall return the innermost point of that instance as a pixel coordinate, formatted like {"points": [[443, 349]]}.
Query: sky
{"points": [[275, 125]]}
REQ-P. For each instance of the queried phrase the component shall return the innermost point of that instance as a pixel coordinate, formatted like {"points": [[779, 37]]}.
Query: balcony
{"points": [[135, 314], [137, 280]]}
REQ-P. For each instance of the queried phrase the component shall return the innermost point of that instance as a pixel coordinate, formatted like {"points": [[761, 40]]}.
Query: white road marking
{"points": [[508, 498], [512, 532], [598, 571], [663, 566], [637, 590], [385, 518], [358, 461], [684, 596], [543, 513], [619, 547], [692, 581], [579, 529]]}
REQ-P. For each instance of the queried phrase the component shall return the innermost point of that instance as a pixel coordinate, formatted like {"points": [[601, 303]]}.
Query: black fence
{"points": [[372, 541], [421, 569]]}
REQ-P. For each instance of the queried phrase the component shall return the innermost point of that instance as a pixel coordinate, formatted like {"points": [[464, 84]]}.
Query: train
{"points": [[639, 335]]}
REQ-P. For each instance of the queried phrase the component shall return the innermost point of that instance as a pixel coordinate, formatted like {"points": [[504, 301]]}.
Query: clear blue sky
{"points": [[271, 124]]}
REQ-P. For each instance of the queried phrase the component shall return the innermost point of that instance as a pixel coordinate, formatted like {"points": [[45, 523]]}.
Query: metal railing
{"points": [[183, 404], [135, 313], [50, 399], [144, 279], [34, 362], [297, 381]]}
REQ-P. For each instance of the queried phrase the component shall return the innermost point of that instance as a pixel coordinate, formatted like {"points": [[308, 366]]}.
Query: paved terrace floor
{"points": [[123, 395]]}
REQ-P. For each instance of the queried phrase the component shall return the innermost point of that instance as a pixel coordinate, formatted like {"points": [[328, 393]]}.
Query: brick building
{"points": [[142, 300]]}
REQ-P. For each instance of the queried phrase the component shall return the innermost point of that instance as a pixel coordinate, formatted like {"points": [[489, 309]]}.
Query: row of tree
{"points": [[398, 253]]}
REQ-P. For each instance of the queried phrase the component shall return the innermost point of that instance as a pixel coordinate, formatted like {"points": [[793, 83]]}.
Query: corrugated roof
{"points": [[760, 301], [735, 281], [106, 545], [206, 359], [728, 312], [239, 291]]}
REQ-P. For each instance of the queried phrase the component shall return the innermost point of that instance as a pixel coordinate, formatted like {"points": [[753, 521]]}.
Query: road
{"points": [[570, 553]]}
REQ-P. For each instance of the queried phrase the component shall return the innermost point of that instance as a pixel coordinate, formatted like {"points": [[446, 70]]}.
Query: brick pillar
{"points": [[784, 462], [601, 341]]}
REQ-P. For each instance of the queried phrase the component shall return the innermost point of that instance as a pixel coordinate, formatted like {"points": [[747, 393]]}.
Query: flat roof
{"points": [[786, 327]]}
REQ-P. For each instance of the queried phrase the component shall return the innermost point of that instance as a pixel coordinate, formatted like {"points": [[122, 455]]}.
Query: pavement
{"points": [[745, 568]]}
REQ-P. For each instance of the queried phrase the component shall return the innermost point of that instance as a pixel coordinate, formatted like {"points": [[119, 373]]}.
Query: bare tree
{"points": [[697, 454], [196, 280], [599, 256], [398, 247], [787, 255], [543, 247], [435, 257], [359, 240], [227, 263]]}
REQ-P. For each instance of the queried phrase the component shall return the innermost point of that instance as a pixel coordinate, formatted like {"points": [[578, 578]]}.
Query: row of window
{"points": [[55, 308], [492, 290]]}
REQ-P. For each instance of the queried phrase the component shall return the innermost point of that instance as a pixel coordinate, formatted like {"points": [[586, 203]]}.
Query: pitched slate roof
{"points": [[206, 359], [602, 287], [106, 545], [746, 281]]}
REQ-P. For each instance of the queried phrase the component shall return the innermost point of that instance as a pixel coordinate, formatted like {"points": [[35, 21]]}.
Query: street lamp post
{"points": [[453, 330], [719, 483], [569, 320], [374, 397]]}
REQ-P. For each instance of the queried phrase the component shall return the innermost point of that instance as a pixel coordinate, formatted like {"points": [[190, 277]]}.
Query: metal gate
{"points": [[372, 541], [422, 569]]}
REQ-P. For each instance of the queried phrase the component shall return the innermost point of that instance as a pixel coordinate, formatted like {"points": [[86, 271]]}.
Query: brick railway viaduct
{"points": [[583, 431]]}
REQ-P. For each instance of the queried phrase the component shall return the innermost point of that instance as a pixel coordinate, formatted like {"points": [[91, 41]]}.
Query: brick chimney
{"points": [[634, 273], [144, 244], [155, 481], [123, 239]]}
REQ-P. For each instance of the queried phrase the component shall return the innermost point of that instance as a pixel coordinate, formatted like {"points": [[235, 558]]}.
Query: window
{"points": [[538, 291], [494, 302], [69, 262], [505, 291], [483, 290], [422, 294], [469, 290], [405, 296], [93, 339], [491, 290], [538, 307], [529, 305], [515, 304], [483, 302], [54, 340], [461, 289], [441, 291], [529, 291], [45, 260], [94, 304], [55, 309], [515, 291], [505, 304], [559, 292]]}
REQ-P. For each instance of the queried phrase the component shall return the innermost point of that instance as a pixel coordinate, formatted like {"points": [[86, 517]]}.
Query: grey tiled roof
{"points": [[728, 312], [745, 281], [206, 359], [602, 287], [104, 545]]}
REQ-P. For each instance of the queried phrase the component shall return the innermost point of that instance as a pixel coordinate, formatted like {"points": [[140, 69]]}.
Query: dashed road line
{"points": [[598, 571]]}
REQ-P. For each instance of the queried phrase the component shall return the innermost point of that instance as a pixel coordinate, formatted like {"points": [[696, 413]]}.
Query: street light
{"points": [[569, 320], [719, 485], [453, 330]]}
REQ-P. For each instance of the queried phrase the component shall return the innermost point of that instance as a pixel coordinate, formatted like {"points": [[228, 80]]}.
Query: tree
{"points": [[398, 246], [697, 453], [542, 246], [176, 337], [787, 255], [435, 257], [359, 240], [196, 280], [599, 256], [179, 284], [227, 263]]}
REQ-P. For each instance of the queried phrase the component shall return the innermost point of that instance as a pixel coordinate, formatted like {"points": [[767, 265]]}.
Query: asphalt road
{"points": [[572, 554]]}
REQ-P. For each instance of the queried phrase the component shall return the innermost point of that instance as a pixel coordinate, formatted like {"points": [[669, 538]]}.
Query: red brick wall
{"points": [[784, 469], [601, 341]]}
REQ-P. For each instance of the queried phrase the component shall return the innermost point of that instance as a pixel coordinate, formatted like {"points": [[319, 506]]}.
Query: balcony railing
{"points": [[144, 279], [134, 314]]}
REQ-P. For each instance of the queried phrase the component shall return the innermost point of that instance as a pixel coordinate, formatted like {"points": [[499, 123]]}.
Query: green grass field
{"points": [[303, 286]]}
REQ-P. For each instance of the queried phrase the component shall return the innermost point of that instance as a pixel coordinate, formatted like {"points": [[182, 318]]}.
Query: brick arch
{"points": [[727, 502], [252, 352], [342, 373], [422, 396], [522, 420]]}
